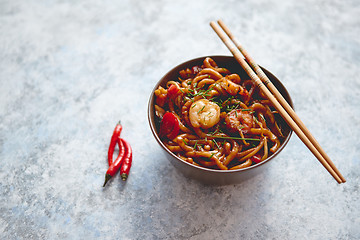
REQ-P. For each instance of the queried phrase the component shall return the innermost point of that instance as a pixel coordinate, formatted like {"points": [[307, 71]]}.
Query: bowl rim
{"points": [[153, 127]]}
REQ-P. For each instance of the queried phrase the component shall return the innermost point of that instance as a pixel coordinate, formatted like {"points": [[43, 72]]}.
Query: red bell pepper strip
{"points": [[172, 91], [256, 158], [127, 160], [169, 126], [114, 166], [113, 141]]}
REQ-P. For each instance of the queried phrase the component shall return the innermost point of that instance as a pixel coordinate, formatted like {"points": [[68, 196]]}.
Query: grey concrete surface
{"points": [[69, 70]]}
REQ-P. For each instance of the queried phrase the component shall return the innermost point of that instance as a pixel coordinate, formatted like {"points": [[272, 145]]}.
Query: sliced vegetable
{"points": [[256, 158], [169, 126], [172, 91], [161, 99]]}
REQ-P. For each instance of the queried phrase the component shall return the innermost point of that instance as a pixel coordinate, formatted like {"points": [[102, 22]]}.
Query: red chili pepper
{"points": [[127, 160], [169, 126], [113, 141], [114, 166]]}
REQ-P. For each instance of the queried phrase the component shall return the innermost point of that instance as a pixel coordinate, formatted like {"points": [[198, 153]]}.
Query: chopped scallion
{"points": [[195, 144], [215, 143], [238, 138], [201, 109]]}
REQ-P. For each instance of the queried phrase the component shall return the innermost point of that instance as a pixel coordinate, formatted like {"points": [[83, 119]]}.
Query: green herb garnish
{"points": [[195, 144], [215, 143], [238, 138], [201, 109]]}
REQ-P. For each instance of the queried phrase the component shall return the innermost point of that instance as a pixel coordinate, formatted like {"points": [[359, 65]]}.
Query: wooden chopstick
{"points": [[280, 98], [289, 115]]}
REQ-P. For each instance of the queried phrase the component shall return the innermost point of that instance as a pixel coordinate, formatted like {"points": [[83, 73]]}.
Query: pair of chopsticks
{"points": [[280, 104]]}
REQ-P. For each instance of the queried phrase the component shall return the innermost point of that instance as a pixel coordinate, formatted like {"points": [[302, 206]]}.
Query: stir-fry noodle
{"points": [[212, 118]]}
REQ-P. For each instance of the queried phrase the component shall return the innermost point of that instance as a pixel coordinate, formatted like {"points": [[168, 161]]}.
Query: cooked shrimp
{"points": [[204, 113], [239, 121]]}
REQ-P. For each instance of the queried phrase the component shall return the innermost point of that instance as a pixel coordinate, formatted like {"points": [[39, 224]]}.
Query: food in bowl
{"points": [[210, 116]]}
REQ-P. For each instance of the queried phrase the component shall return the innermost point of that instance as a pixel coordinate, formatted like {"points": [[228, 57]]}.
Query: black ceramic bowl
{"points": [[205, 175]]}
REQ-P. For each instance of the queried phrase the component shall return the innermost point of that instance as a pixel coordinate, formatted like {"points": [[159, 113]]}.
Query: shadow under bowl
{"points": [[206, 175]]}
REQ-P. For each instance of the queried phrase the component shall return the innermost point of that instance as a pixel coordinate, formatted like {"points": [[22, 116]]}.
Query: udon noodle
{"points": [[223, 121]]}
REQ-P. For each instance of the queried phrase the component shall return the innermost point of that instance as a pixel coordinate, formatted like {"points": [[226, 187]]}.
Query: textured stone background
{"points": [[69, 70]]}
